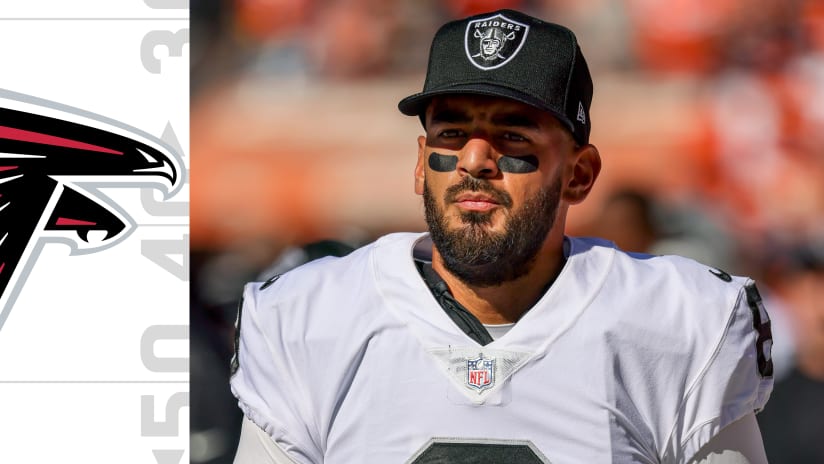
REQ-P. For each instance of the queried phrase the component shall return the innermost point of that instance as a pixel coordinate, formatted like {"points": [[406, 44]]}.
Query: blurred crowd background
{"points": [[709, 116]]}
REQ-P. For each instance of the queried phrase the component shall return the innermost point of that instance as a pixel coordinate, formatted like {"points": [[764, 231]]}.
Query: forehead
{"points": [[457, 108]]}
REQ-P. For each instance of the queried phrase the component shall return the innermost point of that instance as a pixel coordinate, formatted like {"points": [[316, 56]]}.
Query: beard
{"points": [[480, 257]]}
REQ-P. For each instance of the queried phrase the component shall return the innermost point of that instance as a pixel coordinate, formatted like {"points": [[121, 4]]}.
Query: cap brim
{"points": [[415, 105]]}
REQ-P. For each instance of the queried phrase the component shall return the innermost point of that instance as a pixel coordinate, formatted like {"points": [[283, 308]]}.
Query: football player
{"points": [[494, 337]]}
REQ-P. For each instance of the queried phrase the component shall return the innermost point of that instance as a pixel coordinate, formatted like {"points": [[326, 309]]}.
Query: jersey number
{"points": [[480, 451]]}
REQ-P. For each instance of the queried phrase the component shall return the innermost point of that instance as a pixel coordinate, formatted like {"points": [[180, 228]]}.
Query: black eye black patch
{"points": [[442, 163], [513, 164], [518, 164]]}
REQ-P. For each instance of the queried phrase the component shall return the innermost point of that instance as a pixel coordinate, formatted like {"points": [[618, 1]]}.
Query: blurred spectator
{"points": [[680, 36], [353, 38], [765, 135], [793, 420], [690, 231], [222, 276], [217, 282], [627, 218], [214, 420], [761, 36], [262, 20], [635, 221], [293, 257], [212, 45], [807, 72], [602, 27]]}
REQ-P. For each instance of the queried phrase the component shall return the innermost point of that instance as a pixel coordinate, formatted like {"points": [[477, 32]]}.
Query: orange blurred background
{"points": [[708, 114], [296, 135]]}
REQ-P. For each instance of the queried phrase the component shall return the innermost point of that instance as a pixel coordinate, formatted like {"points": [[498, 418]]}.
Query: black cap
{"points": [[509, 54]]}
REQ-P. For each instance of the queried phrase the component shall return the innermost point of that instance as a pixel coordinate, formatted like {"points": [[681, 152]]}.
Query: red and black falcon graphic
{"points": [[47, 155]]}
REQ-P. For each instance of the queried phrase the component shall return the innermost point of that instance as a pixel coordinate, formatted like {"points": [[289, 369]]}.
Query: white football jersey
{"points": [[625, 359]]}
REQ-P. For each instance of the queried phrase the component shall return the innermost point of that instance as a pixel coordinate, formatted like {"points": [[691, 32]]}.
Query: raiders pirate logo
{"points": [[491, 42]]}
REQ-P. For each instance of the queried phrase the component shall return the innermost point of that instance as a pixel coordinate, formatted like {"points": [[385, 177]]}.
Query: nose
{"points": [[477, 159]]}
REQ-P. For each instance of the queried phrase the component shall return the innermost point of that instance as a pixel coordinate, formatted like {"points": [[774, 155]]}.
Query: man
{"points": [[494, 337]]}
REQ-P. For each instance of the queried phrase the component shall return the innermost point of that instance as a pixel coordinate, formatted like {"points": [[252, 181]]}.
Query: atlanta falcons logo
{"points": [[51, 159]]}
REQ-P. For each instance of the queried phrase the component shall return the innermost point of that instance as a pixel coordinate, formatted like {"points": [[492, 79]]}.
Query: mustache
{"points": [[473, 184]]}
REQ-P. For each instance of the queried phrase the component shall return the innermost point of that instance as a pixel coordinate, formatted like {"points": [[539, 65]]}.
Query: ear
{"points": [[420, 167], [586, 165]]}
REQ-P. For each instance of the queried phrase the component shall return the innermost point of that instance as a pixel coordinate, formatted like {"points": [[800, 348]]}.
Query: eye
{"points": [[451, 133], [514, 137]]}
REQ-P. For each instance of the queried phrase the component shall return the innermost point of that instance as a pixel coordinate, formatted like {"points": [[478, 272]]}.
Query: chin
{"points": [[478, 218]]}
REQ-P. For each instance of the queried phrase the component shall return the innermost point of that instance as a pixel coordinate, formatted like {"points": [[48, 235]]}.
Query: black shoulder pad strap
{"points": [[235, 362], [761, 324]]}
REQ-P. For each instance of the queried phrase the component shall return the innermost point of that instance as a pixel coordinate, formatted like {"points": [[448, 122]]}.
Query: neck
{"points": [[508, 301]]}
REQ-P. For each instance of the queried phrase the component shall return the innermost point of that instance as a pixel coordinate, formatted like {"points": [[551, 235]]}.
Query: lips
{"points": [[476, 202], [475, 197], [477, 194]]}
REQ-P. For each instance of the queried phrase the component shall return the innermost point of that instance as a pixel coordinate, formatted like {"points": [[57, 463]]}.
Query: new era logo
{"points": [[491, 42], [582, 116]]}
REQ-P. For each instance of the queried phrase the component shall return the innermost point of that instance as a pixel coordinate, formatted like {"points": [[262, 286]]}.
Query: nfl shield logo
{"points": [[480, 373], [491, 42]]}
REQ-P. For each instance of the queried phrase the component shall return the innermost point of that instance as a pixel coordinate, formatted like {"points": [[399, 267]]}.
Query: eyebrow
{"points": [[450, 116], [515, 120]]}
